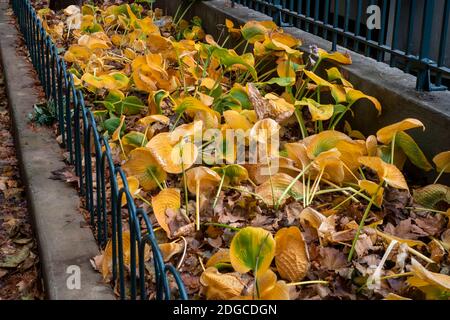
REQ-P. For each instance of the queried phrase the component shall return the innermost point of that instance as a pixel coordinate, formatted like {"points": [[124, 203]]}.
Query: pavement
{"points": [[65, 243]]}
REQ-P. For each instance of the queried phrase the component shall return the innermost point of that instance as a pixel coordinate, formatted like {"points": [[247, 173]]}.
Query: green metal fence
{"points": [[343, 22], [78, 129]]}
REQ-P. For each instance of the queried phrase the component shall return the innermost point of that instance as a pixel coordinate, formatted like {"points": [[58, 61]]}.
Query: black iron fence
{"points": [[90, 153], [409, 34]]}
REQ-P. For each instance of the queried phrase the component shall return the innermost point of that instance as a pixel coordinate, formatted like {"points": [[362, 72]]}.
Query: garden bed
{"points": [[325, 213]]}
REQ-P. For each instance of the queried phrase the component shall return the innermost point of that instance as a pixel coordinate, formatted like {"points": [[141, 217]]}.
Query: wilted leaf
{"points": [[431, 195], [168, 198], [220, 286], [291, 254]]}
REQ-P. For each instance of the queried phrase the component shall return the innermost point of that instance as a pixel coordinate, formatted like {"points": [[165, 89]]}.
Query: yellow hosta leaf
{"points": [[442, 161], [409, 242], [221, 286], [335, 56], [252, 249], [386, 172], [173, 157], [278, 183], [318, 111], [168, 198], [270, 288], [106, 265], [371, 188], [168, 250], [116, 134], [264, 132], [386, 134], [354, 95], [442, 281], [393, 296], [221, 256], [133, 187], [97, 40], [143, 165], [236, 121], [148, 120], [291, 254], [205, 177], [313, 217], [77, 53], [335, 74]]}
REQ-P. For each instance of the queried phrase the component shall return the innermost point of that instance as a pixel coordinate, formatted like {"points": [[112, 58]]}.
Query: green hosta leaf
{"points": [[241, 96], [431, 195], [282, 82], [412, 151], [134, 138], [228, 60], [132, 105], [252, 249], [111, 125]]}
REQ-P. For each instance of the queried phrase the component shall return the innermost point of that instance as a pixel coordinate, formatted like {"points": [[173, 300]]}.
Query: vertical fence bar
{"points": [[346, 20], [316, 16], [357, 24], [335, 25], [326, 12], [382, 32], [423, 78], [307, 14], [443, 42], [395, 31], [369, 34], [410, 36]]}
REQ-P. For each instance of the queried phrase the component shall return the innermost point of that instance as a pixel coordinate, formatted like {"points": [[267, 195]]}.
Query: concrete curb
{"points": [[63, 242]]}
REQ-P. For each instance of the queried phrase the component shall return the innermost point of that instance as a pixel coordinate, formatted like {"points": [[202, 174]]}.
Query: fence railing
{"points": [[409, 34], [78, 129]]}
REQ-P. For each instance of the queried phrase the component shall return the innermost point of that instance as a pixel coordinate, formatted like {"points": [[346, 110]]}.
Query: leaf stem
{"points": [[361, 224]]}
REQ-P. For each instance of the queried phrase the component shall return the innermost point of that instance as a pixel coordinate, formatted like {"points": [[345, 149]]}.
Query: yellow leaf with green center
{"points": [[254, 31], [235, 174], [385, 171], [252, 249], [93, 81], [386, 134], [168, 198], [335, 56], [324, 141], [143, 165]]}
